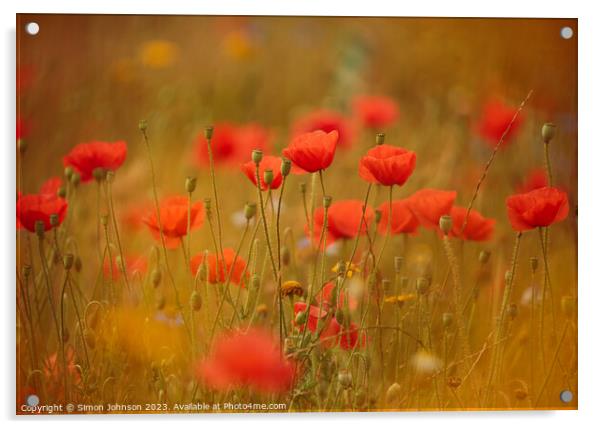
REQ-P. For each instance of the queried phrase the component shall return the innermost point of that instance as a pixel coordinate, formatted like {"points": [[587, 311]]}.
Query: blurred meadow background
{"points": [[85, 78]]}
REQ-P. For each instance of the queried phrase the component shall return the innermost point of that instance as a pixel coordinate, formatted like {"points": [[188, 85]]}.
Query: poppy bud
{"points": [[196, 301], [386, 285], [156, 277], [534, 264], [26, 270], [326, 201], [398, 264], [54, 220], [285, 167], [345, 379], [75, 179], [207, 202], [142, 125], [548, 131], [78, 264], [68, 172], [568, 304], [22, 145], [377, 215], [61, 192], [301, 318], [454, 381], [422, 285], [446, 224], [250, 210], [209, 132], [268, 177], [447, 319], [68, 261], [380, 138], [99, 174], [285, 256], [512, 311], [190, 184], [257, 156], [484, 256], [393, 393], [39, 228]]}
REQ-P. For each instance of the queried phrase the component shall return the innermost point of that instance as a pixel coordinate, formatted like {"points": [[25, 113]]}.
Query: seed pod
{"points": [[422, 285], [196, 301], [26, 270], [110, 176], [301, 318], [446, 224], [39, 228], [345, 379], [398, 264], [190, 184], [534, 264], [380, 138], [285, 167], [99, 174], [257, 156], [484, 256], [68, 261], [377, 215], [75, 179], [268, 177], [326, 201], [548, 131], [61, 192], [209, 132], [22, 145], [68, 172], [447, 319], [142, 125], [393, 395], [54, 220], [250, 210], [285, 256], [156, 277]]}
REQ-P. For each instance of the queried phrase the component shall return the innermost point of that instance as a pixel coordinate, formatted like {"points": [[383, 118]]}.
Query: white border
{"points": [[590, 210]]}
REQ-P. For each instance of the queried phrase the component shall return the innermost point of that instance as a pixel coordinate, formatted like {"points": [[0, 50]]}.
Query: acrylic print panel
{"points": [[284, 214]]}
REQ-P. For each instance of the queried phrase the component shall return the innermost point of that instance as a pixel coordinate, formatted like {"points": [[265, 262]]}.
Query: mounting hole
{"points": [[566, 396], [32, 28], [566, 32], [33, 400]]}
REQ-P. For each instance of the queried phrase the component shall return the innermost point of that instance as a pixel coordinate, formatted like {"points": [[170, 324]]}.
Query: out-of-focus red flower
{"points": [[327, 121], [51, 186], [350, 338], [53, 369], [232, 144], [403, 220], [312, 151], [86, 157], [375, 111], [134, 265], [324, 297], [133, 215], [218, 270], [428, 205], [537, 178], [537, 208], [174, 219], [22, 129], [344, 218], [250, 360], [39, 207], [495, 118], [478, 227], [315, 315], [268, 162], [387, 165]]}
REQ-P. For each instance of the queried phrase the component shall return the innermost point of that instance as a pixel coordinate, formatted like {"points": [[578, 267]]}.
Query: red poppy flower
{"points": [[537, 178], [86, 157], [215, 264], [374, 111], [324, 297], [22, 129], [495, 118], [267, 163], [344, 218], [540, 207], [478, 228], [312, 151], [134, 265], [174, 219], [39, 207], [51, 186], [232, 144], [53, 370], [327, 121], [428, 205], [350, 338], [250, 360], [403, 221], [387, 165]]}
